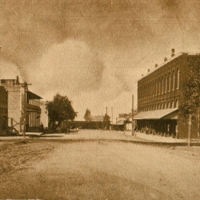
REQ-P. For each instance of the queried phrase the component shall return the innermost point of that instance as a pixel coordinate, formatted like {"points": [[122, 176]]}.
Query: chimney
{"points": [[156, 65], [165, 58], [172, 52], [17, 80]]}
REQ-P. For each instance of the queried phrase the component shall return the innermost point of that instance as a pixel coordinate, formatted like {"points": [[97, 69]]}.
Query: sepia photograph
{"points": [[99, 99]]}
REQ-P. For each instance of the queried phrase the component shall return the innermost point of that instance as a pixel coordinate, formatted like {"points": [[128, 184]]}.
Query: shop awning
{"points": [[158, 114]]}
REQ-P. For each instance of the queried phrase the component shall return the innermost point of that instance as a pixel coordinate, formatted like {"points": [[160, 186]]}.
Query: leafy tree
{"points": [[191, 96], [60, 109], [106, 121], [87, 115]]}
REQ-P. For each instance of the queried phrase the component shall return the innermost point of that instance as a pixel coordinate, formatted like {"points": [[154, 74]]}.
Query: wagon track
{"points": [[19, 155]]}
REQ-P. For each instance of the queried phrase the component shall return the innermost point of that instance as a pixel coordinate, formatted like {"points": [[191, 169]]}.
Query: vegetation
{"points": [[191, 97], [87, 115], [106, 121], [60, 109]]}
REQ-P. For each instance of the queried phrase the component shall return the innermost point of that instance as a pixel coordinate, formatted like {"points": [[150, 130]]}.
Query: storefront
{"points": [[161, 122]]}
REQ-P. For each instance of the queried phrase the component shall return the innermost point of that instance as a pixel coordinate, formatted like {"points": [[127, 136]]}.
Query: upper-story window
{"points": [[169, 84], [173, 104], [156, 87], [162, 85], [173, 81], [166, 83], [178, 77], [168, 106], [176, 104]]}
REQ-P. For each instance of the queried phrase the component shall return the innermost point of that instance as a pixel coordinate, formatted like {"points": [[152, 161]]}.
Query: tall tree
{"points": [[106, 121], [87, 115], [60, 109], [191, 96]]}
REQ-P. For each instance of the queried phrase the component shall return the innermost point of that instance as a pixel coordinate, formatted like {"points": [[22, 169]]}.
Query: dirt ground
{"points": [[97, 170]]}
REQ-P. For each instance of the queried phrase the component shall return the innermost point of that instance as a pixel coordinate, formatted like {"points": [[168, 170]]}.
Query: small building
{"points": [[123, 122], [160, 95], [21, 101]]}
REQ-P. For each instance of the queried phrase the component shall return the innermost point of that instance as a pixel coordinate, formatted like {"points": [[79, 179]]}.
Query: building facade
{"points": [[21, 102], [160, 94]]}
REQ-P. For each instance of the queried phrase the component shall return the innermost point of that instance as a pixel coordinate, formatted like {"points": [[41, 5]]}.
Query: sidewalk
{"points": [[156, 138]]}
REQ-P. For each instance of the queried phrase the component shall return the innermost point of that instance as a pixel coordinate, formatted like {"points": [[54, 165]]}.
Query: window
{"points": [[176, 104], [173, 81], [169, 86], [178, 77], [173, 104]]}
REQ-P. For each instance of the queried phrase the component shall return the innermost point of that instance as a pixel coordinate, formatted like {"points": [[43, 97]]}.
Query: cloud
{"points": [[93, 51], [70, 68], [9, 70]]}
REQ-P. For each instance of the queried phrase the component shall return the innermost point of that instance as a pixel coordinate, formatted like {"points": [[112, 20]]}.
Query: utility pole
{"points": [[189, 129], [25, 86], [112, 116], [102, 121], [133, 133]]}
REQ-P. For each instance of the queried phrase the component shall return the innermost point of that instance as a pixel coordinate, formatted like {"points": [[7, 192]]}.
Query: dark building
{"points": [[159, 97], [3, 109]]}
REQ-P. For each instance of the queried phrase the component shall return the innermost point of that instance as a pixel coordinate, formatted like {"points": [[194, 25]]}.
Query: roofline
{"points": [[37, 97], [169, 60], [161, 65]]}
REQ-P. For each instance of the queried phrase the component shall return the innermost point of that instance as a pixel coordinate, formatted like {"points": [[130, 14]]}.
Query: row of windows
{"points": [[160, 106], [161, 85]]}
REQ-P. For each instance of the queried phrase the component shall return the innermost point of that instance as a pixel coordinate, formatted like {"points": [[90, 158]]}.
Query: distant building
{"points": [[17, 93], [124, 122], [98, 118], [159, 97]]}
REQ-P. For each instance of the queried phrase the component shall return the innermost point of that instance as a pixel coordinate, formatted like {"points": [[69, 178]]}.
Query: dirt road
{"points": [[98, 170]]}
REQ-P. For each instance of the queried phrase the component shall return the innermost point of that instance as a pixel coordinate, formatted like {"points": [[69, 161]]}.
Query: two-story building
{"points": [[160, 94], [21, 102]]}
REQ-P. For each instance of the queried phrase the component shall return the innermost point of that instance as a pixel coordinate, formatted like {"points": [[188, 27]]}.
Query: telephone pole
{"points": [[112, 116], [25, 86], [133, 133]]}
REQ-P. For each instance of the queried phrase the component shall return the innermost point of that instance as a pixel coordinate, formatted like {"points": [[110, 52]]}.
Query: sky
{"points": [[93, 51]]}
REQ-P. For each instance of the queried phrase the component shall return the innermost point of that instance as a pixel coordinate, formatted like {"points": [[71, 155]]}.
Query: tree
{"points": [[191, 96], [87, 115], [106, 121], [60, 109]]}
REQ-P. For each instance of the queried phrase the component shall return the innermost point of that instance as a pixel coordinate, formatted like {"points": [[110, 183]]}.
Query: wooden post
{"points": [[24, 109], [112, 116], [189, 129], [133, 133]]}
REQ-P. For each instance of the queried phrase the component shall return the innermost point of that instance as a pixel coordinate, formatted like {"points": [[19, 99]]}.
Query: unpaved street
{"points": [[98, 170]]}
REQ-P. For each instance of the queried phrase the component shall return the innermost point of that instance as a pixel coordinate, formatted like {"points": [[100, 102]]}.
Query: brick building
{"points": [[17, 94], [159, 97]]}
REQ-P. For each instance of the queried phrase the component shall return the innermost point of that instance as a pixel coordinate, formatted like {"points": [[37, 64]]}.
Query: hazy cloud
{"points": [[93, 50]]}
